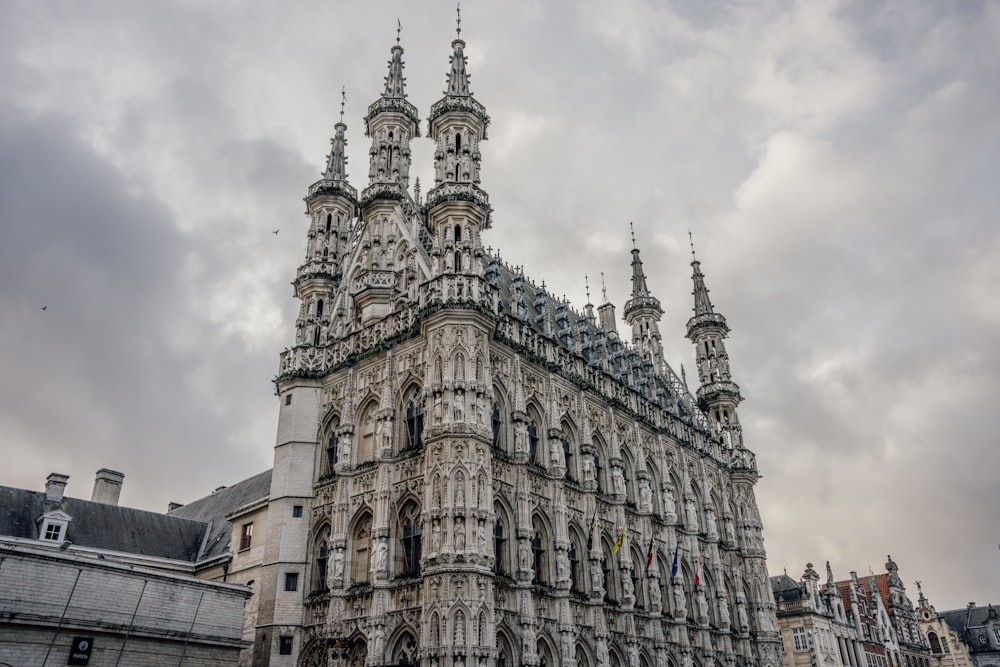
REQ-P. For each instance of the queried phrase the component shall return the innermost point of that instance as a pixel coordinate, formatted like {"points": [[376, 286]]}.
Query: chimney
{"points": [[107, 486], [55, 485], [606, 311]]}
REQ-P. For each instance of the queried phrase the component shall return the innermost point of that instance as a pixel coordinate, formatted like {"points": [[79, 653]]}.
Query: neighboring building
{"points": [[874, 630], [913, 648], [467, 471], [813, 621], [946, 646], [120, 579], [979, 628]]}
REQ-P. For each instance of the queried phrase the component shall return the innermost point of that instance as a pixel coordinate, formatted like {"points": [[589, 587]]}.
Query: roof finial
{"points": [[343, 100], [586, 286], [399, 29], [458, 20], [604, 289], [694, 258], [632, 229]]}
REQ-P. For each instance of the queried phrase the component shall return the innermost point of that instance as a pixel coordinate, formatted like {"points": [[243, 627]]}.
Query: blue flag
{"points": [[677, 554]]}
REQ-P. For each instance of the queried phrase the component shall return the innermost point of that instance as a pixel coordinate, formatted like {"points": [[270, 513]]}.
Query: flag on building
{"points": [[621, 540], [652, 551], [697, 573], [676, 565]]}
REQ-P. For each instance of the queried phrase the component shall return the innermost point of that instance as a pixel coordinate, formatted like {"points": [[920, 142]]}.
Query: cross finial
{"points": [[458, 20], [343, 100], [399, 29], [632, 229]]}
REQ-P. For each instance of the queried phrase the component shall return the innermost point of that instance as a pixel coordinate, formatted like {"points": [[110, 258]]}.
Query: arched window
{"points": [[935, 643], [499, 547], [366, 444], [361, 550], [537, 558], [533, 453], [458, 142], [414, 421], [599, 473], [321, 560], [316, 334], [568, 457], [410, 538], [319, 308], [574, 568], [497, 425], [332, 446], [458, 233]]}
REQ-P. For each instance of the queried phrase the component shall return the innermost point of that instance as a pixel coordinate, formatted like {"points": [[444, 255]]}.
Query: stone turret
{"points": [[642, 312]]}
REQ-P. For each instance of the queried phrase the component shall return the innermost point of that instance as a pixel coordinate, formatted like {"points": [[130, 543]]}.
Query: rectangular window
{"points": [[288, 398], [297, 511], [799, 638], [291, 581], [996, 635], [285, 646], [53, 532], [246, 536], [944, 644]]}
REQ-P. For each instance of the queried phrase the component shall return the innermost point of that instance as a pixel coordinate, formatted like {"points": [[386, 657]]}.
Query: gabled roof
{"points": [[785, 588], [214, 508], [103, 526]]}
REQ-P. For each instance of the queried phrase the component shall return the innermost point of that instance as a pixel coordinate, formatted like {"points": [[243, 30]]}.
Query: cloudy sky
{"points": [[838, 164]]}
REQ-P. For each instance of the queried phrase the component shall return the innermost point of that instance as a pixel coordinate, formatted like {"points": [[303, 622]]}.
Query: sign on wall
{"points": [[79, 653]]}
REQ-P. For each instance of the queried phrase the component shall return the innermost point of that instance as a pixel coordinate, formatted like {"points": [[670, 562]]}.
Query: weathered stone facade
{"points": [[486, 470]]}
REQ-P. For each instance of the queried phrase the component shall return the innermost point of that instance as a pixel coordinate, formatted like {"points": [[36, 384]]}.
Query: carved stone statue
{"points": [[628, 590], [711, 529], [523, 555], [690, 514], [562, 566], [436, 536], [338, 564], [617, 481], [596, 576], [723, 612], [459, 534], [645, 495], [378, 563], [701, 606], [680, 606]]}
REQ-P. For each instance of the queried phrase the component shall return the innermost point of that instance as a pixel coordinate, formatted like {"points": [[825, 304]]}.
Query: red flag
{"points": [[697, 573], [652, 550]]}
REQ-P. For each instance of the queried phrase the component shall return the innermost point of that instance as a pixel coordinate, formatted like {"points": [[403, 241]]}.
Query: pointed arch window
{"points": [[366, 448], [316, 334], [458, 233], [333, 447], [538, 559], [414, 424], [599, 473], [574, 568], [411, 541], [499, 547], [361, 560], [329, 221], [321, 561], [497, 425], [533, 453]]}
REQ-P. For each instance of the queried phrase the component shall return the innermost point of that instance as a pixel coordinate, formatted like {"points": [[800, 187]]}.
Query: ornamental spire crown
{"points": [[641, 298], [702, 304], [336, 164]]}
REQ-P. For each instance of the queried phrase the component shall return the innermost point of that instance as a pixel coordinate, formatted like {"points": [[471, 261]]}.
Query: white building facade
{"points": [[489, 477]]}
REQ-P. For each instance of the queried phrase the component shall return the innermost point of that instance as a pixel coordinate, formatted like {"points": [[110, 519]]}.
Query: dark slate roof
{"points": [[785, 588], [553, 319], [214, 508], [102, 526], [960, 619]]}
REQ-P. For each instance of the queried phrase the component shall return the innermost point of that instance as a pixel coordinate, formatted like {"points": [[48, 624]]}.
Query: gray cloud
{"points": [[836, 163]]}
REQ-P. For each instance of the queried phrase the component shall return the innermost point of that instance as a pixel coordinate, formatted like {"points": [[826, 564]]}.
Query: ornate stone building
{"points": [[485, 470]]}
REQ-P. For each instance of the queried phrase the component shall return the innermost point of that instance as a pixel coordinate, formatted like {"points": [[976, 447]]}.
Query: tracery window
{"points": [[537, 559], [414, 424], [361, 552], [499, 546], [497, 425], [321, 560], [533, 455], [411, 540]]}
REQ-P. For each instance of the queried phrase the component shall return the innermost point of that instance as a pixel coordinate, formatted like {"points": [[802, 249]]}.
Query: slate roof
{"points": [[785, 588], [960, 619], [212, 509], [102, 526]]}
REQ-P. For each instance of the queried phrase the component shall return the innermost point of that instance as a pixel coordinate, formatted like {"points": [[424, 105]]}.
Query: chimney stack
{"points": [[55, 486], [107, 486]]}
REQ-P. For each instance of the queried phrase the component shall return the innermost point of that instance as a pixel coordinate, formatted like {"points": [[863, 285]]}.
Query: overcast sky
{"points": [[837, 163]]}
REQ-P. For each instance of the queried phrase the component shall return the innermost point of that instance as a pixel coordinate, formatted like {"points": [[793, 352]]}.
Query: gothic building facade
{"points": [[488, 476]]}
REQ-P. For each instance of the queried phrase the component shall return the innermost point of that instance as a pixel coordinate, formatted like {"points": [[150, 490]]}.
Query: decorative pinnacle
{"points": [[458, 20], [399, 29], [343, 100], [586, 285], [604, 290], [691, 241], [632, 229]]}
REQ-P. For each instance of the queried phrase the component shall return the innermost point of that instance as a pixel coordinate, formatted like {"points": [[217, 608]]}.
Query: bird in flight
{"points": [[275, 232], [45, 307]]}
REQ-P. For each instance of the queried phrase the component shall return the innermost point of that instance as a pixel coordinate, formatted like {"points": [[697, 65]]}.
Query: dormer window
{"points": [[52, 527]]}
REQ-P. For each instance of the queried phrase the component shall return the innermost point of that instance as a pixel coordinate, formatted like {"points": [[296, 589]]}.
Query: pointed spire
{"points": [[639, 288], [702, 304], [394, 81], [336, 164]]}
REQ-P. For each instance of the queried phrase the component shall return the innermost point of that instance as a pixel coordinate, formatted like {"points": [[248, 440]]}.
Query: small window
{"points": [[291, 581], [288, 398], [53, 532], [297, 511], [285, 646], [799, 637], [246, 536]]}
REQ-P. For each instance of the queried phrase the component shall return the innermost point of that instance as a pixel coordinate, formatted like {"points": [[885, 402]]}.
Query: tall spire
{"points": [[702, 304], [336, 165], [458, 78], [394, 81]]}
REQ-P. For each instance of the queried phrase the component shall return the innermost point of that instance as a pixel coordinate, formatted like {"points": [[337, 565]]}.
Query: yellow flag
{"points": [[619, 543]]}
